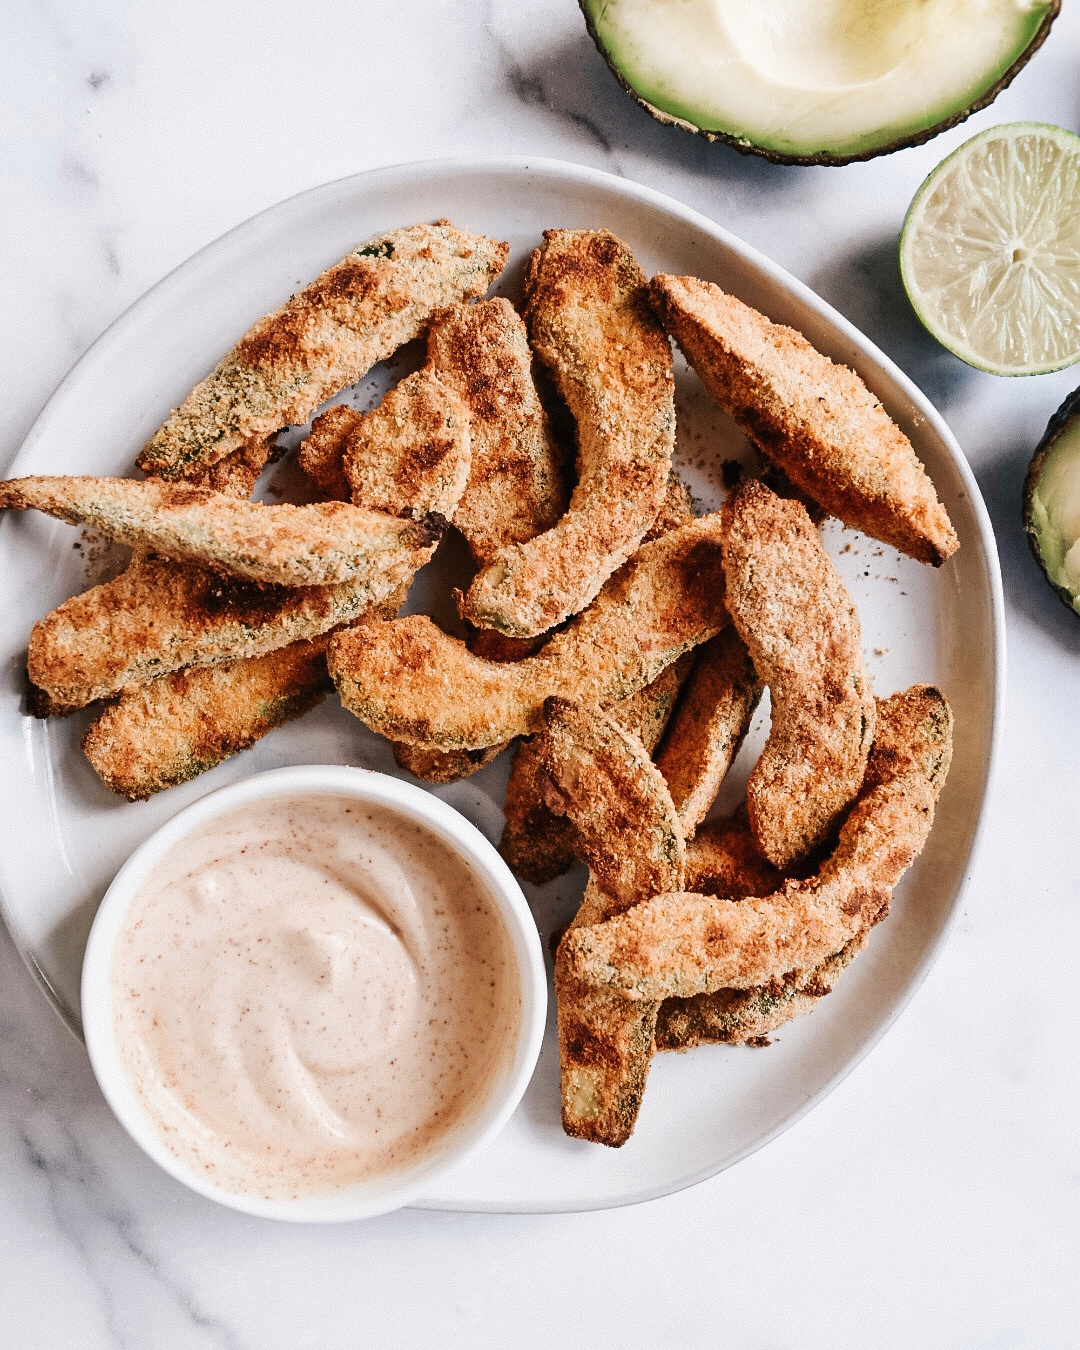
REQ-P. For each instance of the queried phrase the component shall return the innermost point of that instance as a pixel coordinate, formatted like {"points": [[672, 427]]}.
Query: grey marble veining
{"points": [[932, 1200]]}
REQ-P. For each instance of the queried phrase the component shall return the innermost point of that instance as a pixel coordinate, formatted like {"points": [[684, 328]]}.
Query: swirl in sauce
{"points": [[312, 991]]}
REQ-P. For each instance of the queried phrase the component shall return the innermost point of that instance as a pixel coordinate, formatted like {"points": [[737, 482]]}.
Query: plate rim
{"points": [[584, 175]]}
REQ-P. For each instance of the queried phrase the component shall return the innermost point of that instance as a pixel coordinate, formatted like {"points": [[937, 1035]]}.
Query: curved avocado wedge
{"points": [[816, 81], [1052, 502]]}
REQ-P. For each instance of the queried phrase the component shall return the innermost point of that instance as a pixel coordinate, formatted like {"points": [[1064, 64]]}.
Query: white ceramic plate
{"points": [[65, 835]]}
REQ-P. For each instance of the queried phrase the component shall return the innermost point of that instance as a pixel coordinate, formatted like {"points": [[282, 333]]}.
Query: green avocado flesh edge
{"points": [[814, 77], [1053, 516]]}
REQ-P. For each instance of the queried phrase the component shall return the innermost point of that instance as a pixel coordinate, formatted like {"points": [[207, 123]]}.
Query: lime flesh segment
{"points": [[990, 251]]}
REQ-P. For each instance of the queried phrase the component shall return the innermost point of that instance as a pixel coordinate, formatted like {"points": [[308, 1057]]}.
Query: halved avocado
{"points": [[816, 81], [1052, 502]]}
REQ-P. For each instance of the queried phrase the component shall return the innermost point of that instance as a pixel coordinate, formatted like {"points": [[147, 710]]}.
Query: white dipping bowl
{"points": [[375, 1195]]}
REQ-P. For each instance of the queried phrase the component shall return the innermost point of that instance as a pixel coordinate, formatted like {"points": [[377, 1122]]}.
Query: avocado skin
{"points": [[825, 157], [1057, 424]]}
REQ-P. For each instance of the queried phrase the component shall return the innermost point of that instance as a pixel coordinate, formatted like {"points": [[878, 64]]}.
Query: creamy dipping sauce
{"points": [[312, 991]]}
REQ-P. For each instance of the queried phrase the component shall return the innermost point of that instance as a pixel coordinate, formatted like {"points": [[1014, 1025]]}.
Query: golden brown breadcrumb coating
{"points": [[159, 617], [590, 323], [681, 945], [816, 419], [411, 455], [606, 1044], [539, 845], [443, 766], [321, 454], [749, 1016], [515, 489], [794, 613], [676, 509], [322, 451], [316, 545], [628, 830], [723, 860], [708, 725], [412, 682], [236, 474], [168, 730], [358, 312], [601, 776]]}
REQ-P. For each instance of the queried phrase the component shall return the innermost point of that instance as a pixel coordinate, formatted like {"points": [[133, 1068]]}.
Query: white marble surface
{"points": [[933, 1199]]}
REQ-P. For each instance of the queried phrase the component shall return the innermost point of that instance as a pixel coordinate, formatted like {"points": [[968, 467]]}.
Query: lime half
{"points": [[990, 251]]}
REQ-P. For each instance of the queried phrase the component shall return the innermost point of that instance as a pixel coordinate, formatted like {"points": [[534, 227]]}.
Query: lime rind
{"points": [[996, 278]]}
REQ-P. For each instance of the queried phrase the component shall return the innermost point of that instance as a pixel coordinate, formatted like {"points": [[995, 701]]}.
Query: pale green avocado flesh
{"points": [[815, 78], [1052, 516]]}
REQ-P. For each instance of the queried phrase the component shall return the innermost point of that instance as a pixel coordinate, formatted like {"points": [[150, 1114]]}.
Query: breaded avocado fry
{"points": [[539, 845], [815, 419], [628, 831], [162, 733], [708, 725], [591, 325], [601, 776], [316, 545], [794, 613], [412, 682], [723, 860], [515, 489], [682, 945], [159, 617], [358, 312], [749, 1016], [411, 455]]}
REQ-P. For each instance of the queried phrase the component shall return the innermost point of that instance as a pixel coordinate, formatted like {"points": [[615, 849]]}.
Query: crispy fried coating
{"points": [[681, 945], [410, 456], [815, 419], [358, 312], [159, 617], [606, 1044], [236, 474], [723, 859], [647, 712], [675, 511], [515, 489], [415, 447], [493, 646], [539, 845], [443, 766], [749, 1016], [794, 613], [708, 726], [448, 766], [162, 733], [316, 545], [322, 451], [536, 844], [601, 776], [591, 325], [480, 364], [628, 830], [412, 682]]}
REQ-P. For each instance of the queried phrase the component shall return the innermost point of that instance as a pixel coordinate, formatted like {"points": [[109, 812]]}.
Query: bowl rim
{"points": [[380, 1194]]}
